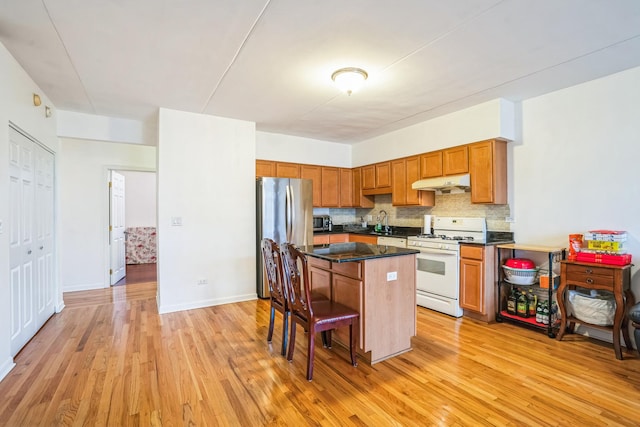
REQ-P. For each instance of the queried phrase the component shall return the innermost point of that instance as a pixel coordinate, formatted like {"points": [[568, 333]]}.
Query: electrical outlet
{"points": [[369, 217], [202, 282], [509, 219], [392, 275]]}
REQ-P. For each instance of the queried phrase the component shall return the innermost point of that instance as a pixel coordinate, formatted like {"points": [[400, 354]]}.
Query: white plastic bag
{"points": [[596, 307]]}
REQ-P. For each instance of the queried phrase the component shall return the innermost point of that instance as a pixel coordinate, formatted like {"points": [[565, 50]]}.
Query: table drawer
{"points": [[586, 279], [588, 270]]}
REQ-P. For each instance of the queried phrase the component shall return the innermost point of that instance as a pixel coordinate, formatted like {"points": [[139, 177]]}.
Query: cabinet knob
{"points": [[589, 280]]}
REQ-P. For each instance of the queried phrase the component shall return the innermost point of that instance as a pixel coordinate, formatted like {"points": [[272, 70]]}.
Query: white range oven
{"points": [[438, 263]]}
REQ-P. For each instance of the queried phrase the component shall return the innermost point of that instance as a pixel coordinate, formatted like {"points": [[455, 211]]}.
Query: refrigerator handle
{"points": [[289, 214]]}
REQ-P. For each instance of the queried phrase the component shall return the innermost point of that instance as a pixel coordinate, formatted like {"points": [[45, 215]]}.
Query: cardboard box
{"points": [[544, 281], [602, 245]]}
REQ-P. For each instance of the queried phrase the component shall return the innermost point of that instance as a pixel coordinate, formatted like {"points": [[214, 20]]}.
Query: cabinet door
{"points": [[431, 164], [339, 238], [399, 183], [320, 281], [455, 160], [349, 292], [347, 194], [369, 177], [320, 239], [287, 170], [383, 175], [265, 168], [488, 170], [363, 238], [313, 173], [330, 183], [472, 285], [416, 197], [359, 199]]}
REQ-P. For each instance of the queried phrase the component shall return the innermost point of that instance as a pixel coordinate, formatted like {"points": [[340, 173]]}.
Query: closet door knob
{"points": [[29, 252], [41, 247]]}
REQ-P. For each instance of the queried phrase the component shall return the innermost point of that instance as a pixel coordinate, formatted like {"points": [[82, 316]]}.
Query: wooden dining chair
{"points": [[319, 315], [273, 274]]}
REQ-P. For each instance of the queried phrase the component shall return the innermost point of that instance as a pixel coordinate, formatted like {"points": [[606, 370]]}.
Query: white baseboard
{"points": [[6, 367], [85, 287], [169, 308]]}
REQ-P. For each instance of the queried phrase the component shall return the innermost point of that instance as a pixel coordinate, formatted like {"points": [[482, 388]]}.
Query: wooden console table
{"points": [[613, 278]]}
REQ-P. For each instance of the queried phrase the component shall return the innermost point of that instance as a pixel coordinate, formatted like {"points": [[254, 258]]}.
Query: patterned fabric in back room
{"points": [[141, 245]]}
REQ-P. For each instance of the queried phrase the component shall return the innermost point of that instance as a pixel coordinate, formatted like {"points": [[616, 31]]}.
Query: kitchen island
{"points": [[380, 283]]}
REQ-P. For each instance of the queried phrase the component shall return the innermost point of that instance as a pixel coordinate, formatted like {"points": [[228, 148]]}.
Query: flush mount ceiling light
{"points": [[349, 79]]}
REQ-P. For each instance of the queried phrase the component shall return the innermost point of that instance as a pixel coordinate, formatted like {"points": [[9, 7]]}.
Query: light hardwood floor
{"points": [[110, 359]]}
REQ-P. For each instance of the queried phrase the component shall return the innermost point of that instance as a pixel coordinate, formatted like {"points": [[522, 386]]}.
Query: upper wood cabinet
{"points": [[313, 173], [265, 168], [376, 178], [359, 199], [405, 172], [431, 164], [455, 160], [330, 182], [488, 169], [287, 170], [347, 195]]}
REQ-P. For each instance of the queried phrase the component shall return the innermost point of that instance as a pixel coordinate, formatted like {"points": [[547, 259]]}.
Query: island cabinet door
{"points": [[320, 276], [348, 291]]}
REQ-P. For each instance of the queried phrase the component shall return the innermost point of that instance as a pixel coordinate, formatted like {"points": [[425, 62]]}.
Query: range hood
{"points": [[458, 183]]}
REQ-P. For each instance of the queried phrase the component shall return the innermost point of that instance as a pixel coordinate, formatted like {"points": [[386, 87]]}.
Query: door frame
{"points": [[105, 197]]}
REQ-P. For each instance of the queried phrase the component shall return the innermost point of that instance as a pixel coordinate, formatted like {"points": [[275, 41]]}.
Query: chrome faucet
{"points": [[386, 220]]}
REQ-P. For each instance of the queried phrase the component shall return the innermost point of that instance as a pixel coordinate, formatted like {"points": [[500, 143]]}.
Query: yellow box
{"points": [[602, 245]]}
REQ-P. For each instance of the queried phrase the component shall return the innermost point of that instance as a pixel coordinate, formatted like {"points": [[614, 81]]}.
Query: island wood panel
{"points": [[349, 292], [390, 315]]}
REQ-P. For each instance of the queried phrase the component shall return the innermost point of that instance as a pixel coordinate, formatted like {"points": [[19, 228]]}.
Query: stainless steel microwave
{"points": [[321, 222]]}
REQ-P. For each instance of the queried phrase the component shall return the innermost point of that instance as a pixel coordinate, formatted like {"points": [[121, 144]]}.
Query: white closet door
{"points": [[45, 306], [31, 238], [21, 224], [117, 227]]}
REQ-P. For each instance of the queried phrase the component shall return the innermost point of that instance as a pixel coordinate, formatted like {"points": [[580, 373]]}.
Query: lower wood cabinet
{"points": [[363, 238], [325, 239], [477, 293]]}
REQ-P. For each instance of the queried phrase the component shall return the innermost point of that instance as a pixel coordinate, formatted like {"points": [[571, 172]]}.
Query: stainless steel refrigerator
{"points": [[284, 213]]}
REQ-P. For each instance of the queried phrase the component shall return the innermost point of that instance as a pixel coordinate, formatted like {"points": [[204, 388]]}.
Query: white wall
{"points": [[16, 106], [140, 198], [111, 129], [84, 206], [287, 148], [576, 166], [206, 170], [491, 119]]}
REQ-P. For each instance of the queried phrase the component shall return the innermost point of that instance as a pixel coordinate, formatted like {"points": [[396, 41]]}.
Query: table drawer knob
{"points": [[589, 280], [588, 271]]}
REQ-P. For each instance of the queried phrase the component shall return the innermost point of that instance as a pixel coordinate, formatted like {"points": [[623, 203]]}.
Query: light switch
{"points": [[176, 221]]}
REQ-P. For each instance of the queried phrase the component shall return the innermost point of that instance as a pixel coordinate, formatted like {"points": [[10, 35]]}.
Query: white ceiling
{"points": [[270, 61]]}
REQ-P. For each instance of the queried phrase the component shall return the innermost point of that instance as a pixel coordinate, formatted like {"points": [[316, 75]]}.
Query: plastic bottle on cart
{"points": [[533, 303], [539, 312], [512, 302], [522, 307], [545, 312]]}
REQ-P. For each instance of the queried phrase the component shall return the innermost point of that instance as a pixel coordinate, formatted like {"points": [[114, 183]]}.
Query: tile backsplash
{"points": [[446, 205]]}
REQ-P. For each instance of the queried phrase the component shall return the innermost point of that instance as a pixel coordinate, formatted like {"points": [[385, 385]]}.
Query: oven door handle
{"points": [[437, 252]]}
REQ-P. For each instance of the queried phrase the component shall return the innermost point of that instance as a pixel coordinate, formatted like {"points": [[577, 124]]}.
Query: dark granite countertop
{"points": [[347, 252], [394, 231]]}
